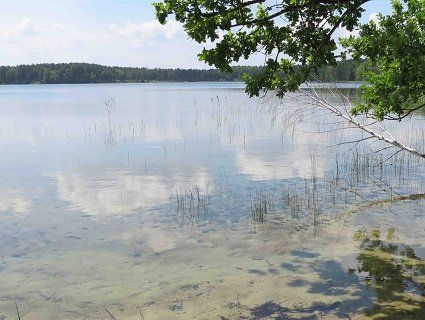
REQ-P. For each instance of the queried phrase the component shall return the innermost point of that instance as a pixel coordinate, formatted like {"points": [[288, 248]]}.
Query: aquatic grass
{"points": [[262, 203], [354, 173], [355, 179], [192, 202]]}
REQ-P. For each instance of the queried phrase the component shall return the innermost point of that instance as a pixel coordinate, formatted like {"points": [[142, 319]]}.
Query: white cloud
{"points": [[344, 33], [147, 30], [56, 26], [141, 44], [374, 17], [23, 28]]}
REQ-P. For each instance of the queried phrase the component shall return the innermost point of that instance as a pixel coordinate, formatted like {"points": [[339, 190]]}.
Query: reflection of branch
{"points": [[110, 314], [17, 311], [416, 196], [381, 184]]}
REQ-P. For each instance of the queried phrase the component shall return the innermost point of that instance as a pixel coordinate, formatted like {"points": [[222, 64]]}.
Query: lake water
{"points": [[192, 201]]}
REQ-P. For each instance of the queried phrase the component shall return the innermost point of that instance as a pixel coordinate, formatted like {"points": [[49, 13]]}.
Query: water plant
{"points": [[396, 274]]}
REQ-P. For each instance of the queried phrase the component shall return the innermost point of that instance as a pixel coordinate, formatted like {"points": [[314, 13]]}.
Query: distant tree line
{"points": [[346, 70]]}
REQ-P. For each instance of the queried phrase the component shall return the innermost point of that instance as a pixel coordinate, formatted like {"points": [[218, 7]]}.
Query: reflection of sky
{"points": [[95, 206], [115, 193], [14, 200], [293, 164], [72, 186], [164, 136], [120, 192]]}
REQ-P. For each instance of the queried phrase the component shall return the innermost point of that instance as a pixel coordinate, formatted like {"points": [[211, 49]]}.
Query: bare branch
{"points": [[322, 103]]}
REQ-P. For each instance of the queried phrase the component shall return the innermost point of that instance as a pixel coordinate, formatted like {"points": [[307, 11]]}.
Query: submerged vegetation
{"points": [[223, 208], [191, 203], [170, 204], [396, 274]]}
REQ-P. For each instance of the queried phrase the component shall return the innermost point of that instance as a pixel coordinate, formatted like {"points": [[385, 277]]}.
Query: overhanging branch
{"points": [[322, 103]]}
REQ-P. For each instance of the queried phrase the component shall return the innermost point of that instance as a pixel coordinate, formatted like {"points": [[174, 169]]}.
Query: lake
{"points": [[193, 201]]}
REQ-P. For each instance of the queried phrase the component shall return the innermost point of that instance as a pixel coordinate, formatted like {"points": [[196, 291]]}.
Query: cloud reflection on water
{"points": [[14, 200], [122, 192], [292, 164]]}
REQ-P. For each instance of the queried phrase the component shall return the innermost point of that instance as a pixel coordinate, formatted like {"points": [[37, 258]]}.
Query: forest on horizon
{"points": [[56, 73]]}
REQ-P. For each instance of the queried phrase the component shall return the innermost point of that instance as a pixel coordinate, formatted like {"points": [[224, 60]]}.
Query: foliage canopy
{"points": [[395, 48], [298, 37]]}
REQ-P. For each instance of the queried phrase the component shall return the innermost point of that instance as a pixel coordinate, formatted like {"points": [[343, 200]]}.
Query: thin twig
{"points": [[324, 104], [17, 311], [110, 314]]}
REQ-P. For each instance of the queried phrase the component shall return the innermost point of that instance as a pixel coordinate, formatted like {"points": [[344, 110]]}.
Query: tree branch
{"points": [[324, 104]]}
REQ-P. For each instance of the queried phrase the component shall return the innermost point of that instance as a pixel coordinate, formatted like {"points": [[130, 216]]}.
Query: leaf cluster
{"points": [[295, 36], [395, 48]]}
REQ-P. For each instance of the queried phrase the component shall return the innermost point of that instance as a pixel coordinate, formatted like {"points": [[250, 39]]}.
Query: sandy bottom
{"points": [[150, 271]]}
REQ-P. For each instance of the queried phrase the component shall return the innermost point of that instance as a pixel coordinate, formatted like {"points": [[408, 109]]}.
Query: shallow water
{"points": [[192, 201]]}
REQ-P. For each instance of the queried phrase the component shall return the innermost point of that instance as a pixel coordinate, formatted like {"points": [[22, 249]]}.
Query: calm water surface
{"points": [[192, 201]]}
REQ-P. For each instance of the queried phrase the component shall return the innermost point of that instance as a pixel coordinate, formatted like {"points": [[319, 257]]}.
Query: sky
{"points": [[107, 32]]}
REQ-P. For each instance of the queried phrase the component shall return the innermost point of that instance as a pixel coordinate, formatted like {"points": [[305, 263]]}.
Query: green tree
{"points": [[92, 73], [297, 37], [395, 48]]}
